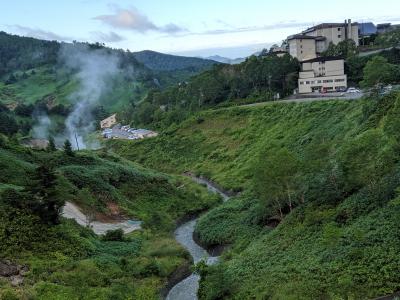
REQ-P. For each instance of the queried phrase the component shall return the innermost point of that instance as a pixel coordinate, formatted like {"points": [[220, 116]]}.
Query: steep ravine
{"points": [[188, 287]]}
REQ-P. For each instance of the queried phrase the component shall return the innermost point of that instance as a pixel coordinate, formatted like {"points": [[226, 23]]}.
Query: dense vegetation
{"points": [[166, 62], [67, 261], [255, 80], [327, 173], [317, 205]]}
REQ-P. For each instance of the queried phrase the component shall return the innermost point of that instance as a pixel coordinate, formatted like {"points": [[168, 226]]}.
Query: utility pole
{"points": [[76, 140]]}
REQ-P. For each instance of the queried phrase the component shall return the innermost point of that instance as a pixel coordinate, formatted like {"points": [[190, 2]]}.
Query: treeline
{"points": [[256, 79], [24, 53]]}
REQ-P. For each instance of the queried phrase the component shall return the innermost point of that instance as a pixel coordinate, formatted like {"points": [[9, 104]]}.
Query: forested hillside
{"points": [[39, 72], [317, 216], [166, 62]]}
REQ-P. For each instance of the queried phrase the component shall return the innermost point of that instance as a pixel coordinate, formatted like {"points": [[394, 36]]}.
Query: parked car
{"points": [[353, 90]]}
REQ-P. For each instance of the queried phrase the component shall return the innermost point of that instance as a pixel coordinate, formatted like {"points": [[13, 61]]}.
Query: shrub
{"points": [[116, 235]]}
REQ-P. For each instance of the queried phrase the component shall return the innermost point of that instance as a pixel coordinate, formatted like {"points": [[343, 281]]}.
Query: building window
{"points": [[339, 80], [339, 36], [301, 82], [339, 29], [307, 82]]}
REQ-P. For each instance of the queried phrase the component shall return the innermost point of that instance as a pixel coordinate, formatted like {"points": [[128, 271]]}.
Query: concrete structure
{"points": [[302, 47], [315, 40], [109, 122], [323, 74]]}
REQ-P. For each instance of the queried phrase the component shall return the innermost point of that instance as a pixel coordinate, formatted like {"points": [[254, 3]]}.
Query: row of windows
{"points": [[321, 81]]}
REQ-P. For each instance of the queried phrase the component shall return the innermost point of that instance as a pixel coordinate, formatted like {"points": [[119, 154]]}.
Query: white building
{"points": [[322, 74], [319, 73]]}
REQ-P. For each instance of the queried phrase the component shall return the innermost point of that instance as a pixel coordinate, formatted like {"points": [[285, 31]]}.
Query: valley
{"points": [[143, 175]]}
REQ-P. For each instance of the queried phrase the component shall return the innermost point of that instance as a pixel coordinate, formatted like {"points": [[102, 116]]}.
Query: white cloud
{"points": [[133, 19]]}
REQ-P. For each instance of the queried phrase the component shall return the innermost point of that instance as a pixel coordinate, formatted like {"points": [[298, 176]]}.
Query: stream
{"points": [[188, 287]]}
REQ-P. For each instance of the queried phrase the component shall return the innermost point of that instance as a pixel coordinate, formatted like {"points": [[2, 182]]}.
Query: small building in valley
{"points": [[109, 122]]}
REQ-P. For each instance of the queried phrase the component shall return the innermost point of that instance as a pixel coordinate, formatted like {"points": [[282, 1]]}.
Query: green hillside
{"points": [[325, 173], [37, 72], [166, 62], [67, 261]]}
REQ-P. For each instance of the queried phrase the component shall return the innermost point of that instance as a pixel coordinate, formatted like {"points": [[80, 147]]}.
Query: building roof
{"points": [[326, 58], [328, 25], [367, 28], [301, 37], [142, 131], [320, 38]]}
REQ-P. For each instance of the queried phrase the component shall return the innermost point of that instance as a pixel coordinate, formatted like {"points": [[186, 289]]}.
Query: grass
{"points": [[223, 144]]}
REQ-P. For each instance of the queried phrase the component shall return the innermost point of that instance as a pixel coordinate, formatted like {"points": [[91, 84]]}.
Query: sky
{"points": [[234, 28]]}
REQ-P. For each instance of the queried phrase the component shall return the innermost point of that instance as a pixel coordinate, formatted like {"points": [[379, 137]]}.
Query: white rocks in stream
{"points": [[71, 211]]}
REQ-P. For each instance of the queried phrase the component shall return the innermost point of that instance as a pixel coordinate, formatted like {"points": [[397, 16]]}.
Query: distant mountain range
{"points": [[226, 60], [166, 62]]}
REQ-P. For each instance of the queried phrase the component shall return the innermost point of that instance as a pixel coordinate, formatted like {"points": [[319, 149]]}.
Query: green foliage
{"points": [[379, 71], [258, 78], [388, 39], [68, 148], [340, 160], [52, 146], [114, 235], [276, 180], [68, 261], [346, 49]]}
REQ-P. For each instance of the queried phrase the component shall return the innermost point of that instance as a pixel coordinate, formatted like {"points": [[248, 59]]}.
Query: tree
{"points": [[45, 199], [276, 180], [378, 71], [116, 235], [367, 158], [346, 49], [68, 148], [52, 146]]}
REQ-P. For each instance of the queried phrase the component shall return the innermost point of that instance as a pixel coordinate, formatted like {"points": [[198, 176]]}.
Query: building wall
{"points": [[302, 49], [322, 75], [335, 35], [325, 68], [329, 83]]}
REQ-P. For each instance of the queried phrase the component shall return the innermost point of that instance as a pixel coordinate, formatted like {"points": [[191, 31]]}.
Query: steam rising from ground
{"points": [[41, 129], [94, 70]]}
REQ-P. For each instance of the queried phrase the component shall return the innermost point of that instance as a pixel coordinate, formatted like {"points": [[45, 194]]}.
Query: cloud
{"points": [[233, 29], [40, 33], [110, 37], [133, 19]]}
